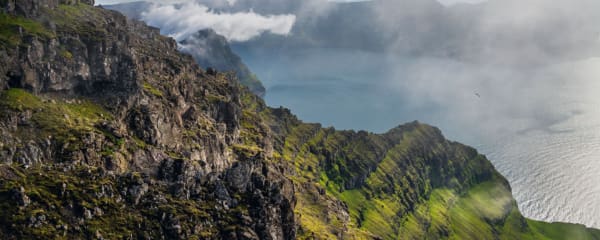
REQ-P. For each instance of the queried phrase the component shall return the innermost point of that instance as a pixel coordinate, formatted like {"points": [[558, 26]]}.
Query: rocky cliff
{"points": [[129, 138], [209, 49], [108, 132]]}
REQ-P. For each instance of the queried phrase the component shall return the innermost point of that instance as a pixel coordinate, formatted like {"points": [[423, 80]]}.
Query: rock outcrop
{"points": [[209, 49], [107, 131], [88, 88]]}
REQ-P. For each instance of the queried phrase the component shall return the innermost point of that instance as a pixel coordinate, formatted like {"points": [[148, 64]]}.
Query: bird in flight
{"points": [[477, 94]]}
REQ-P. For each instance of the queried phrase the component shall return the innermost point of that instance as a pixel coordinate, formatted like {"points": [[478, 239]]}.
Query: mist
{"points": [[502, 63], [516, 79], [182, 20]]}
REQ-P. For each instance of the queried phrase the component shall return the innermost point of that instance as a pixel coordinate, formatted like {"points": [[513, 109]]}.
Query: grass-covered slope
{"points": [[409, 183], [127, 138]]}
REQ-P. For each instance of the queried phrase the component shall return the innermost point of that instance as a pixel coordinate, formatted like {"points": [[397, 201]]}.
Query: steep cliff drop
{"points": [[108, 132]]}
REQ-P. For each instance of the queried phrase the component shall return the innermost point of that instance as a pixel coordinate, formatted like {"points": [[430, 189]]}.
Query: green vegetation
{"points": [[253, 83], [60, 198], [246, 151], [562, 231], [52, 116], [64, 121], [81, 19], [417, 186], [151, 90], [66, 54], [409, 183], [14, 28]]}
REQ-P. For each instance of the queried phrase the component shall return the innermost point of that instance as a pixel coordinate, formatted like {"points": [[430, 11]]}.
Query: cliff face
{"points": [[129, 136], [209, 49], [107, 131]]}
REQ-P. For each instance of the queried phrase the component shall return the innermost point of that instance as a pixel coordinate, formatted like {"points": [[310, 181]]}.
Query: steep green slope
{"points": [[107, 131], [409, 183]]}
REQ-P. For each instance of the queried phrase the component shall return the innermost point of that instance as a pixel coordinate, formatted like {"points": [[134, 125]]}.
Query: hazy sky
{"points": [[508, 71], [238, 26]]}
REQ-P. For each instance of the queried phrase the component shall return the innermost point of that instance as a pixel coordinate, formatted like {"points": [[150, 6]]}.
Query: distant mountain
{"points": [[212, 50], [109, 132], [470, 32], [208, 48]]}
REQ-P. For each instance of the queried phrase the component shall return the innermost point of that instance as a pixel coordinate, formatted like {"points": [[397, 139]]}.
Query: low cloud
{"points": [[183, 20]]}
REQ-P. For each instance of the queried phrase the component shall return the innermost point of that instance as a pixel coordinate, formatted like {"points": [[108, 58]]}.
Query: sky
{"points": [[447, 2], [486, 74], [239, 26], [244, 21]]}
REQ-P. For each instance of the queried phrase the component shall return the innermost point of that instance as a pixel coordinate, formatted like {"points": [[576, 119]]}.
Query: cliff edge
{"points": [[107, 131]]}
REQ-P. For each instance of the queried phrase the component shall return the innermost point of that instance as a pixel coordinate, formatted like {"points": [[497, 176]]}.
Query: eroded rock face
{"points": [[92, 94], [107, 131], [129, 69]]}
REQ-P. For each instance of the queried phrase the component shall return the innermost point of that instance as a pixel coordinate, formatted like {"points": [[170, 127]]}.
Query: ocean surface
{"points": [[539, 125]]}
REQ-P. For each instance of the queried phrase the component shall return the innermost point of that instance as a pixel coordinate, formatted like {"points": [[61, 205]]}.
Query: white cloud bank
{"points": [[180, 21]]}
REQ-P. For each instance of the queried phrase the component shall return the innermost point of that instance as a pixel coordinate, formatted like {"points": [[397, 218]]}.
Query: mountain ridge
{"points": [[211, 50], [107, 131]]}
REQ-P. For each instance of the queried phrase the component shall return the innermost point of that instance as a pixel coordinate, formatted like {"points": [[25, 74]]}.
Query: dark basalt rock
{"points": [[18, 194], [107, 131], [111, 94]]}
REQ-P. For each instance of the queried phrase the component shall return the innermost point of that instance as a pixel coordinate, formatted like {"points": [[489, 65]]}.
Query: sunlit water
{"points": [[554, 176], [539, 126]]}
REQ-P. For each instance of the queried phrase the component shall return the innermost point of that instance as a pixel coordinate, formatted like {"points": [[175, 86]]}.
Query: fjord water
{"points": [[538, 124]]}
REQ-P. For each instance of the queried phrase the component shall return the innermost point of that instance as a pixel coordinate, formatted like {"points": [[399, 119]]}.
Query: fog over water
{"points": [[540, 129], [516, 79]]}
